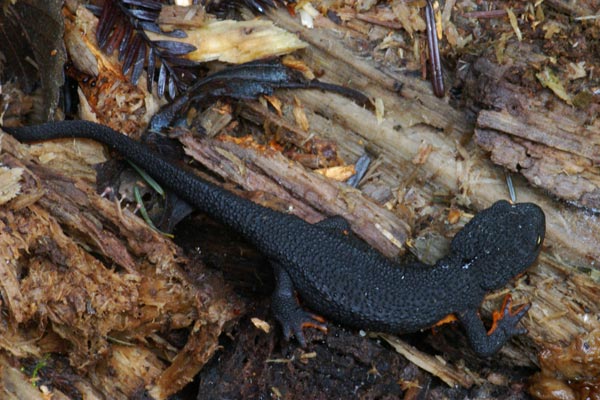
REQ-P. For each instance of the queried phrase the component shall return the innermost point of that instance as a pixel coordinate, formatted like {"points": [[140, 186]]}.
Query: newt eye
{"points": [[538, 241]]}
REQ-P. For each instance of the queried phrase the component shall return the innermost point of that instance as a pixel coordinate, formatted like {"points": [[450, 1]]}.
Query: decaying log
{"points": [[561, 309], [82, 276]]}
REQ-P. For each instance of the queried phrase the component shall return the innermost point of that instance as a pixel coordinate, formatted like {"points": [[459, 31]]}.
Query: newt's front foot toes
{"points": [[295, 321], [485, 343], [506, 318]]}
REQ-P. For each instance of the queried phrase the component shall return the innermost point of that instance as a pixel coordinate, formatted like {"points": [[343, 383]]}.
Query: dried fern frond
{"points": [[122, 25]]}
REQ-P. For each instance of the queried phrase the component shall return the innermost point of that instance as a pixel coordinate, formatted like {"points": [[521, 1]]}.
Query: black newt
{"points": [[341, 277]]}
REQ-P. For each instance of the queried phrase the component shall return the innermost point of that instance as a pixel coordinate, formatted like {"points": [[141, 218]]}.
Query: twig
{"points": [[437, 79]]}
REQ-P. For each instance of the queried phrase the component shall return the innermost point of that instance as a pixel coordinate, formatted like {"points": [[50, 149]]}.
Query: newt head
{"points": [[500, 242]]}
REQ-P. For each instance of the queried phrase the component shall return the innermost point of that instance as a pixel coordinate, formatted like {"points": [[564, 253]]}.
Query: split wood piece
{"points": [[556, 148], [557, 131], [566, 175], [270, 171], [448, 373], [83, 277]]}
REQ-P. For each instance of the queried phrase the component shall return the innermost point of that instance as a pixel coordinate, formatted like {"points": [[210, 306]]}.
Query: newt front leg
{"points": [[485, 343]]}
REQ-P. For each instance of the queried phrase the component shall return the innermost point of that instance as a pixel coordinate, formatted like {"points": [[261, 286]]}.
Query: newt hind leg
{"points": [[485, 343], [291, 316]]}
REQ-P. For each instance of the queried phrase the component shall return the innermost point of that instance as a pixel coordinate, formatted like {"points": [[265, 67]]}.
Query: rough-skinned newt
{"points": [[343, 278]]}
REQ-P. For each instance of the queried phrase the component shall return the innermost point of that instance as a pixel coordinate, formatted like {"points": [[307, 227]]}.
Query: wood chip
{"points": [[451, 375], [514, 23], [9, 183], [548, 79], [237, 41]]}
